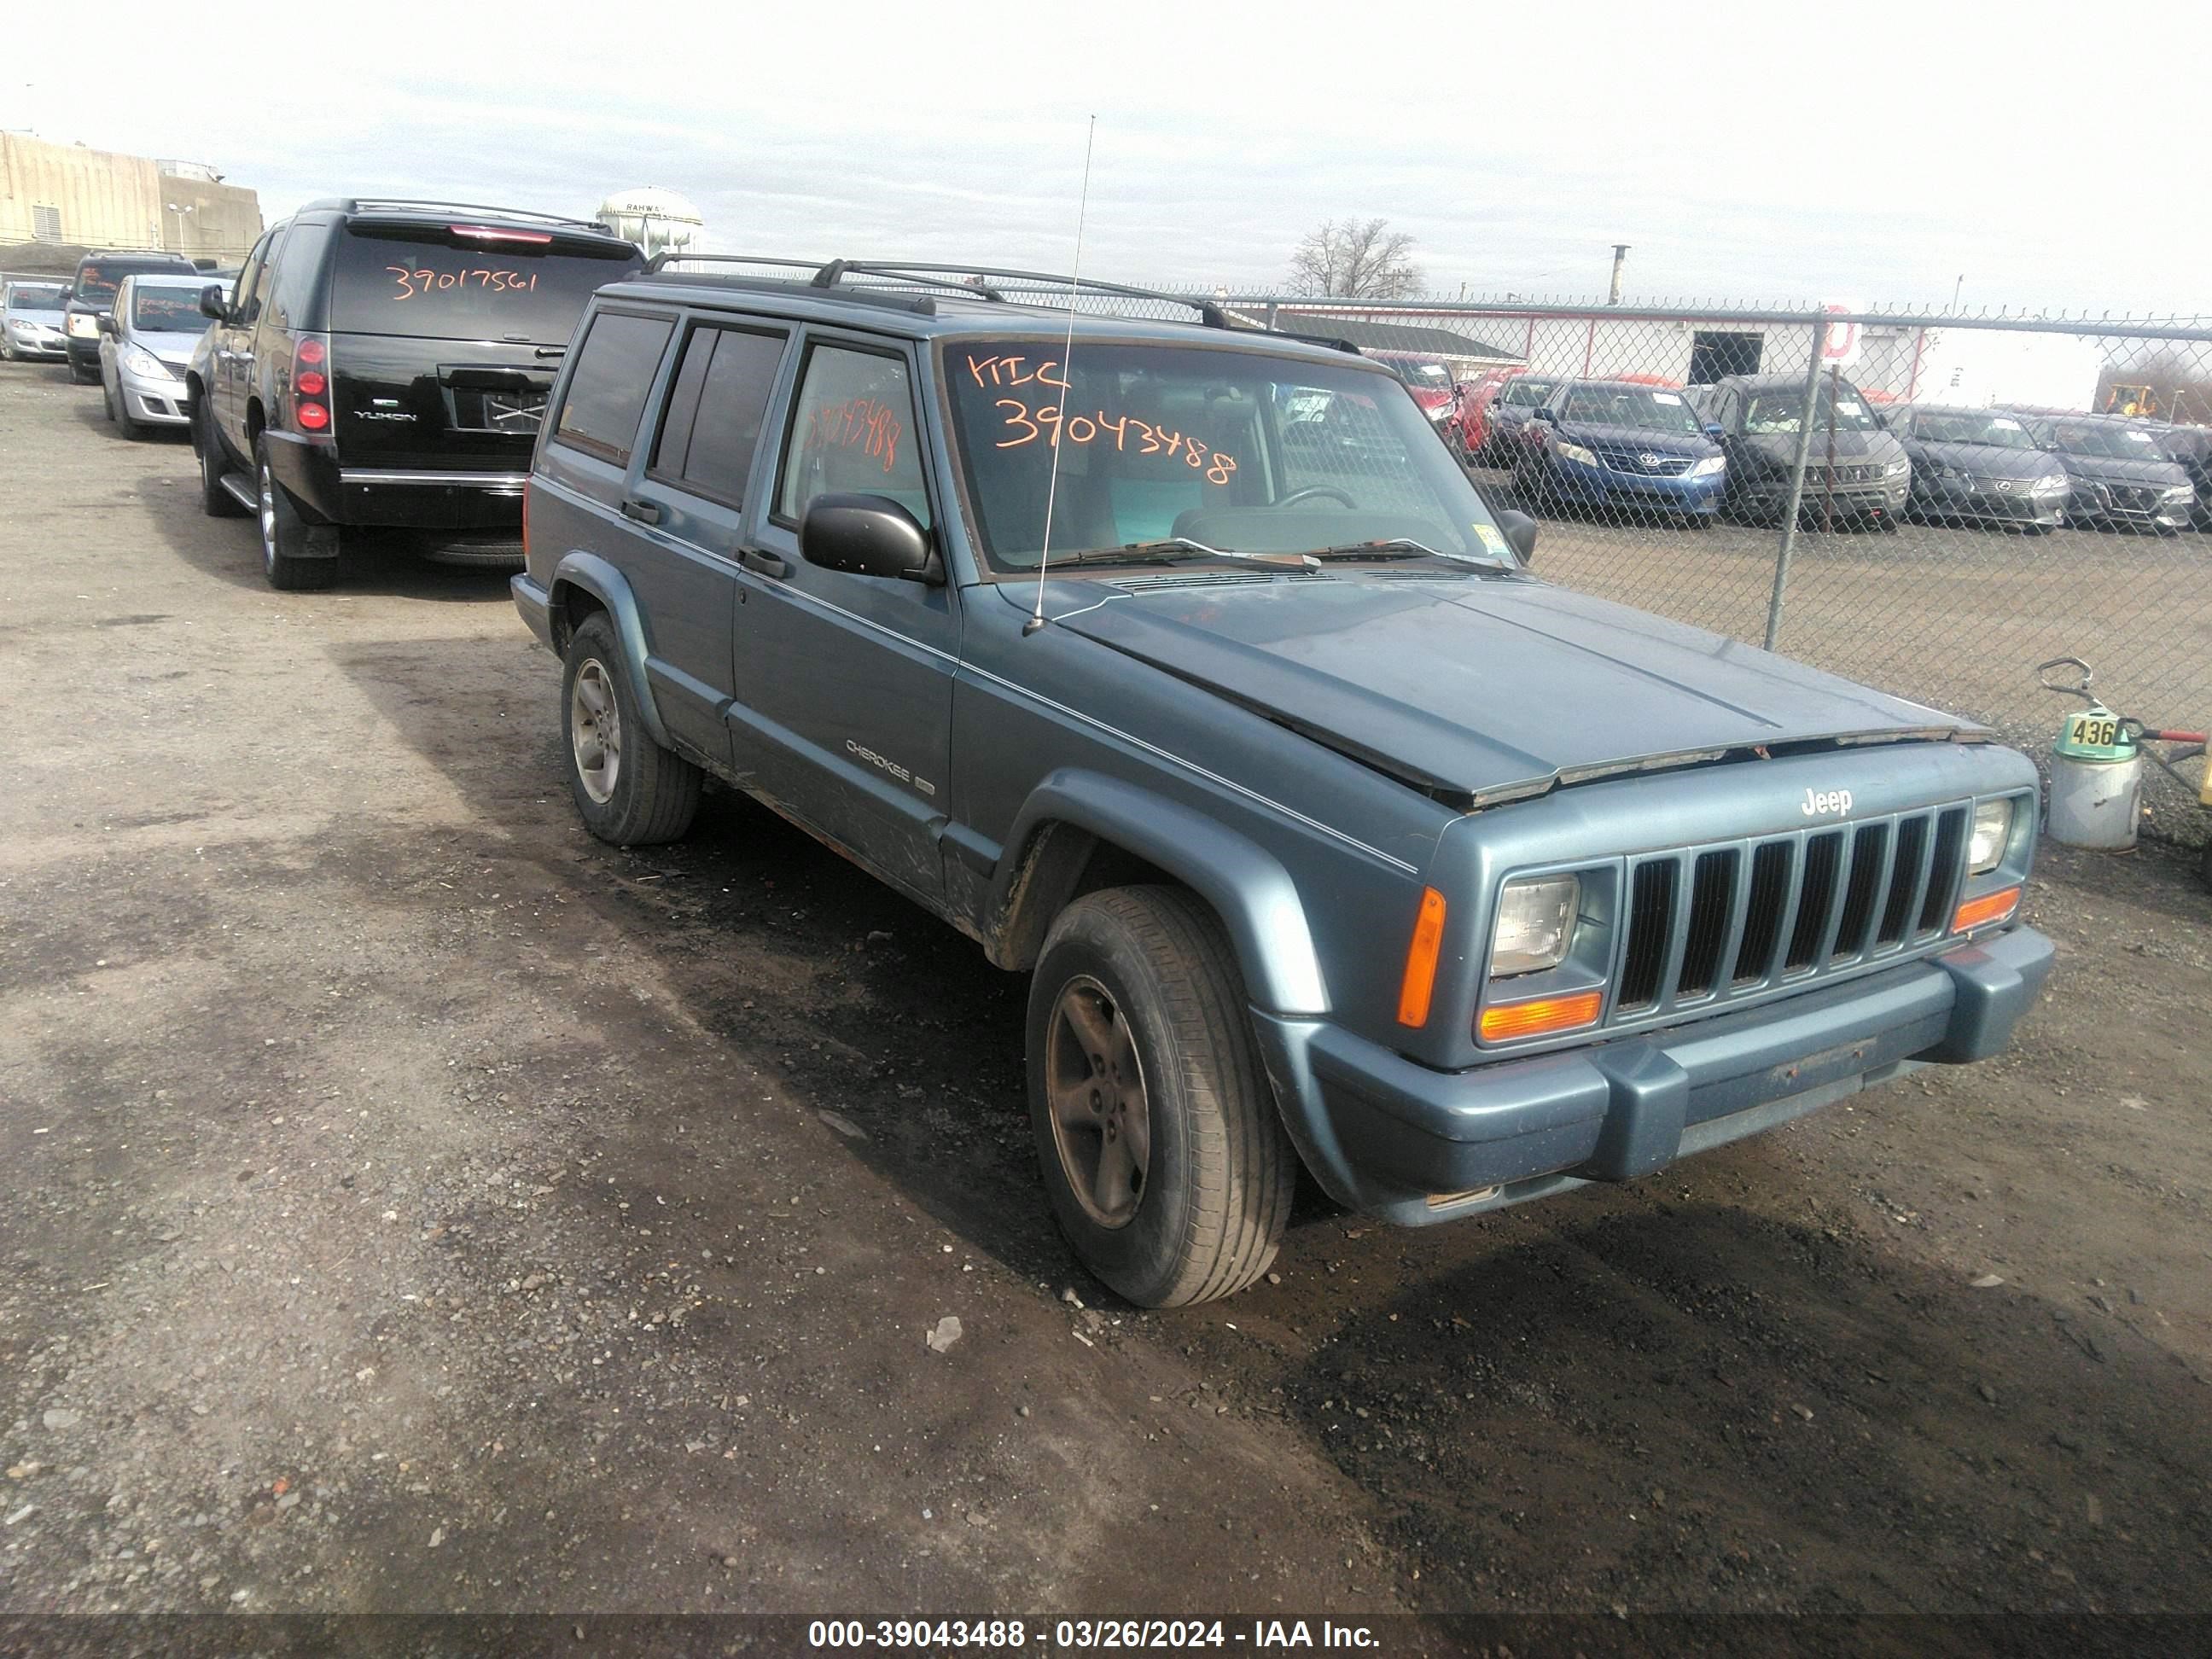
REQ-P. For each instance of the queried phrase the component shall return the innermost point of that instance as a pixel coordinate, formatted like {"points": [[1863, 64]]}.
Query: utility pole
{"points": [[1619, 260]]}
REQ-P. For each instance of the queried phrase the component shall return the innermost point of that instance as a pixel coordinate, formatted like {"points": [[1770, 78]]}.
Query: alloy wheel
{"points": [[1102, 1124], [595, 731]]}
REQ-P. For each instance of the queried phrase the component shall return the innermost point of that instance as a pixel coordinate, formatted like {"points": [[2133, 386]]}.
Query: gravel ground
{"points": [[417, 1205]]}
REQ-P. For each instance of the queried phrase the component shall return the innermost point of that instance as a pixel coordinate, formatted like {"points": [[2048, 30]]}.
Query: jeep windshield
{"points": [[1175, 451], [1779, 410], [469, 283]]}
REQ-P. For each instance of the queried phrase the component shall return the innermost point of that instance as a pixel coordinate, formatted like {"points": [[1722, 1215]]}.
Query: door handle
{"points": [[643, 512], [765, 563]]}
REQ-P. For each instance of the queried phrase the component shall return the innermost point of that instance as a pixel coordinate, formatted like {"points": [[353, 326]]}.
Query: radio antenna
{"points": [[1067, 382]]}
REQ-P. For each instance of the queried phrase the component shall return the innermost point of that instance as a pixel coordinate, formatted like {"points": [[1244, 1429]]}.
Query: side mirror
{"points": [[1546, 414], [1520, 533], [868, 536], [1716, 431], [108, 326], [211, 304]]}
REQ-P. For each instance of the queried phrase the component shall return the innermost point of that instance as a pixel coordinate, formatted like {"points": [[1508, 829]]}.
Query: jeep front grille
{"points": [[1711, 924]]}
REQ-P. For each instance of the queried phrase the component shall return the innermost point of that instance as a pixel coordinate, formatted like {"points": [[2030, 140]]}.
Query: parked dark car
{"points": [[386, 363], [1624, 444], [2191, 449], [1755, 419], [1978, 466], [1505, 438], [1324, 832], [92, 296], [2121, 475]]}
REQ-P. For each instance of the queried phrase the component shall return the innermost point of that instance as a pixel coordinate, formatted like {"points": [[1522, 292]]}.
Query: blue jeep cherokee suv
{"points": [[1180, 666]]}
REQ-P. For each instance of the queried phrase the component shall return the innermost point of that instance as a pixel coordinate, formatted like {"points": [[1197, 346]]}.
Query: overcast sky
{"points": [[1875, 152]]}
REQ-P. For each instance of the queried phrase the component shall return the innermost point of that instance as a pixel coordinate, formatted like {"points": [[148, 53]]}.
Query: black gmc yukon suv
{"points": [[386, 363]]}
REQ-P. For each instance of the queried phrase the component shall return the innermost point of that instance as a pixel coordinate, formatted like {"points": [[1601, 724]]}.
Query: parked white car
{"points": [[145, 343], [31, 321]]}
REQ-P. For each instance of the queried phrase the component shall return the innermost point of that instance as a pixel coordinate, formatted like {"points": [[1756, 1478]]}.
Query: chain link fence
{"points": [[1933, 505]]}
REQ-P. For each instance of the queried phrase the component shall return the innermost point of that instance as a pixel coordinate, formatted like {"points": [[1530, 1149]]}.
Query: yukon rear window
{"points": [[447, 284]]}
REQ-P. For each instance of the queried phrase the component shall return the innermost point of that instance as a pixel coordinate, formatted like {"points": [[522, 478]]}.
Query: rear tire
{"points": [[1165, 1163], [297, 556], [215, 500], [630, 790]]}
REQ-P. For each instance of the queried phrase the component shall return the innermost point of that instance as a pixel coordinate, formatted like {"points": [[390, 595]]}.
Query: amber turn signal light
{"points": [[1990, 906], [1541, 1016], [1420, 980]]}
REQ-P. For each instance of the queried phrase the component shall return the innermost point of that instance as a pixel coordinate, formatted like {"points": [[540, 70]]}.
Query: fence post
{"points": [[1797, 483]]}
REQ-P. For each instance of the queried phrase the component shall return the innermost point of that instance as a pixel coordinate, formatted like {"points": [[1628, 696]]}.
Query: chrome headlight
{"points": [[1707, 467], [144, 364], [1577, 454], [83, 324], [1440, 412], [1535, 924], [1985, 848], [2180, 492], [2049, 484], [1897, 469]]}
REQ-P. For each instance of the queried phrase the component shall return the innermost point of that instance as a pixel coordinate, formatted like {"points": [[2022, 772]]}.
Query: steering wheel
{"points": [[1312, 490]]}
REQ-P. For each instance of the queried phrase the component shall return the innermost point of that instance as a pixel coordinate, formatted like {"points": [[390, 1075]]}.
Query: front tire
{"points": [[630, 790], [119, 410], [297, 556], [1157, 1133]]}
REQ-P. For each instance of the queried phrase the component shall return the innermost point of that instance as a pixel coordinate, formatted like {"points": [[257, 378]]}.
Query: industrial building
{"points": [[70, 194]]}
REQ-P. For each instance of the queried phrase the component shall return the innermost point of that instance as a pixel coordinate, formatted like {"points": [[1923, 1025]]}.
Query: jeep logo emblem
{"points": [[1819, 805]]}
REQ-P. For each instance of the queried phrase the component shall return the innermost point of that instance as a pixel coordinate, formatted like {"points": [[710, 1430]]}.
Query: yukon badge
{"points": [[1838, 801]]}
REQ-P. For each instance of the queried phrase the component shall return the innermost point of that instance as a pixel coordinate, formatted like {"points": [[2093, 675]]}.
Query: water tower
{"points": [[658, 220]]}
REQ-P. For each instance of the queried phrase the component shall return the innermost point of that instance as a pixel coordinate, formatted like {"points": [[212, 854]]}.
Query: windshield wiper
{"points": [[1173, 550], [1402, 547]]}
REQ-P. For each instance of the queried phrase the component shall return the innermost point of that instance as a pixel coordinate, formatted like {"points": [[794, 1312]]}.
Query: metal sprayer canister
{"points": [[2096, 781]]}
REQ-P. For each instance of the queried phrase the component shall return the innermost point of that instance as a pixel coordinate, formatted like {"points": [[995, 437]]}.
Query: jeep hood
{"points": [[1486, 690]]}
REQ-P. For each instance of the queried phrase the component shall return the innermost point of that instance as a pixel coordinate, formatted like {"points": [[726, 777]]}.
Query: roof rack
{"points": [[410, 204], [938, 275]]}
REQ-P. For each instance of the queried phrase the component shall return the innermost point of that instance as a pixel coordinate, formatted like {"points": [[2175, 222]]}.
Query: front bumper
{"points": [[157, 402], [1947, 498], [1604, 486], [32, 341], [1413, 1146], [1767, 496], [2102, 503]]}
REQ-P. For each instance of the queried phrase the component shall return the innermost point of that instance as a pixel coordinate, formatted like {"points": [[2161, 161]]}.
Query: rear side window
{"points": [[437, 284], [292, 280], [852, 429], [607, 388], [714, 413]]}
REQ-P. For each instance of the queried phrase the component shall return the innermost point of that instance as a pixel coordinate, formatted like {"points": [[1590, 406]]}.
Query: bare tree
{"points": [[1356, 259]]}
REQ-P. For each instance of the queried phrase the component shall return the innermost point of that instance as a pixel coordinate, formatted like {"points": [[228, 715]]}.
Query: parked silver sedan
{"points": [[144, 344], [31, 321]]}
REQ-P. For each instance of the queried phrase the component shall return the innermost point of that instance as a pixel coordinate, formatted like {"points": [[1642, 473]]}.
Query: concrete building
{"points": [[71, 194]]}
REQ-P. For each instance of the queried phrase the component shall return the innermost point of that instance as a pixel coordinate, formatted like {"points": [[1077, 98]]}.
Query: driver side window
{"points": [[853, 432]]}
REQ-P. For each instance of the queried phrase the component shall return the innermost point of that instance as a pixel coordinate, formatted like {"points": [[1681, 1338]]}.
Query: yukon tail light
{"points": [[311, 384]]}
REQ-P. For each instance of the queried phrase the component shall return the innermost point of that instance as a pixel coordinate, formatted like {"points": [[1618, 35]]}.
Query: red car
{"points": [[1488, 426]]}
